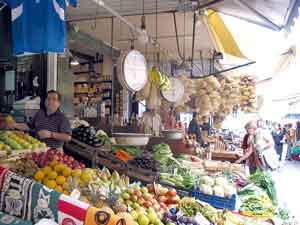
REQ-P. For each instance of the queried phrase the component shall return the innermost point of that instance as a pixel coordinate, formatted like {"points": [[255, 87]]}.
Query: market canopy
{"points": [[161, 16]]}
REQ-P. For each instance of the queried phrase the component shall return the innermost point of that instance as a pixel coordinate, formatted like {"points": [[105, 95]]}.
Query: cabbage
{"points": [[206, 189], [221, 181], [219, 191], [207, 180], [229, 191]]}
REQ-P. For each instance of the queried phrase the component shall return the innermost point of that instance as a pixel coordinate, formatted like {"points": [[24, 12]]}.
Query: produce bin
{"points": [[216, 201]]}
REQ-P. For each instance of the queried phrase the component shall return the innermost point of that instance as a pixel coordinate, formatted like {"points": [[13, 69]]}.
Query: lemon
{"points": [[39, 175], [76, 173], [60, 179], [45, 180], [67, 172], [59, 167], [52, 175], [53, 163], [51, 184], [86, 177], [59, 189], [9, 120], [47, 170]]}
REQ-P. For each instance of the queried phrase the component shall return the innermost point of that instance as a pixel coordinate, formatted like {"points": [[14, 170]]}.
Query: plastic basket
{"points": [[216, 201]]}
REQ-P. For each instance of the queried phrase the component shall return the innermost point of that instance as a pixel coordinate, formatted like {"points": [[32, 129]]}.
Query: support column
{"points": [[52, 71]]}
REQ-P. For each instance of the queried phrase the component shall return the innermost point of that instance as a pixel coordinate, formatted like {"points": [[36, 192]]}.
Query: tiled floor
{"points": [[287, 181]]}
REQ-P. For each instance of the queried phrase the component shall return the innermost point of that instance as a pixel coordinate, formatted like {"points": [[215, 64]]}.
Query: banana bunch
{"points": [[159, 79]]}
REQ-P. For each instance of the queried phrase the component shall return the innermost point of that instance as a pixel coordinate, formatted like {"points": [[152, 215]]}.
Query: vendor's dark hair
{"points": [[54, 92]]}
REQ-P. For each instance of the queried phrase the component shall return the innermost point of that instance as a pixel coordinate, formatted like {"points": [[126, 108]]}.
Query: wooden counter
{"points": [[225, 156], [177, 146]]}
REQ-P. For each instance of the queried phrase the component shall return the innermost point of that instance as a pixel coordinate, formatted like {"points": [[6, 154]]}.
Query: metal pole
{"points": [[112, 76], [260, 15], [226, 70], [193, 43]]}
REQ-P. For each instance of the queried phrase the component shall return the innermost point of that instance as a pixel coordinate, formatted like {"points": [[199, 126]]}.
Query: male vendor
{"points": [[50, 125]]}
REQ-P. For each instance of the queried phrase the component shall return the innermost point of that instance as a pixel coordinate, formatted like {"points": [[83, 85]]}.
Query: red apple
{"points": [[172, 192], [147, 204], [138, 193], [162, 199], [141, 201]]}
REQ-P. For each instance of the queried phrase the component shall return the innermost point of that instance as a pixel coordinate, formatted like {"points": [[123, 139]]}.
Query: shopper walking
{"points": [[250, 155], [194, 129], [290, 137], [278, 137], [298, 131]]}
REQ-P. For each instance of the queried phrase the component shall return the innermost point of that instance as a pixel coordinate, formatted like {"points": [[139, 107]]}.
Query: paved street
{"points": [[287, 181]]}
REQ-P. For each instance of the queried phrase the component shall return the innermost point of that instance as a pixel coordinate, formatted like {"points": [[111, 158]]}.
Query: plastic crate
{"points": [[216, 201]]}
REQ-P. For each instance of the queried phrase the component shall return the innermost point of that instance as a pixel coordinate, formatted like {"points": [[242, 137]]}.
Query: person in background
{"points": [[298, 131], [194, 128], [170, 122], [248, 145], [278, 137], [50, 125], [290, 137]]}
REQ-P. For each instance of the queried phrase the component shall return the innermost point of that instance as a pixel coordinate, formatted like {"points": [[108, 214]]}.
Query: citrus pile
{"points": [[56, 176]]}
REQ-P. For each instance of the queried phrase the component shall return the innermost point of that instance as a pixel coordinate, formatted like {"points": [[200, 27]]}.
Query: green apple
{"points": [[134, 214], [144, 190], [152, 217], [143, 220], [125, 196]]}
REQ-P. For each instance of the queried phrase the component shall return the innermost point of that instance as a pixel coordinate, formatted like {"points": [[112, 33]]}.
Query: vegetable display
{"points": [[264, 180], [218, 186]]}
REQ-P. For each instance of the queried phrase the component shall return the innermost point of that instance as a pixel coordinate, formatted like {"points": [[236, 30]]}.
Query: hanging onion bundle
{"points": [[248, 99]]}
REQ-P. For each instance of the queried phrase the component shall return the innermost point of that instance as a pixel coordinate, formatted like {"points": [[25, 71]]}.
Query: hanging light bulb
{"points": [[143, 37]]}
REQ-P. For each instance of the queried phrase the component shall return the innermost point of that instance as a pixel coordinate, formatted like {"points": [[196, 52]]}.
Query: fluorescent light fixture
{"points": [[74, 62]]}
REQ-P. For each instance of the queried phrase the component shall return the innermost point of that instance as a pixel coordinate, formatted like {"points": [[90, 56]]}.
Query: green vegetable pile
{"points": [[162, 153], [264, 181], [173, 172], [189, 206], [257, 206]]}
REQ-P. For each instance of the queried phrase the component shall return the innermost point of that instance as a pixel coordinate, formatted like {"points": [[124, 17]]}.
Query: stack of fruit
{"points": [[167, 197], [25, 167], [20, 141], [43, 159], [86, 135], [142, 205], [56, 176]]}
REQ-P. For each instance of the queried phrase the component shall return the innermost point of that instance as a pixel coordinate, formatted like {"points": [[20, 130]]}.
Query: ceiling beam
{"points": [[89, 18]]}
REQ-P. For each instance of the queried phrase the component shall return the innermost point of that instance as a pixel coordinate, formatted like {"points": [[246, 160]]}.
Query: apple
{"points": [[148, 197], [141, 201], [144, 190], [138, 193], [162, 199], [172, 192], [147, 204], [134, 198]]}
